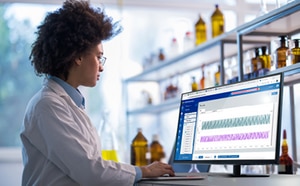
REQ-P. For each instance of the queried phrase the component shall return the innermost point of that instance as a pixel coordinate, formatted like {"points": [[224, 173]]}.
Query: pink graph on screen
{"points": [[237, 136]]}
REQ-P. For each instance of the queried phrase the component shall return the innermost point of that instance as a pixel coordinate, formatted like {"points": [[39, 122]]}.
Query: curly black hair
{"points": [[68, 32]]}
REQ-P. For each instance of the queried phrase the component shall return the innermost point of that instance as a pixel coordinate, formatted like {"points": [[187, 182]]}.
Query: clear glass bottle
{"points": [[200, 31], [282, 52], [139, 150], [285, 161], [156, 149], [194, 84], [217, 22], [108, 139], [295, 52], [266, 58], [208, 80], [174, 48], [263, 8], [218, 77], [188, 41]]}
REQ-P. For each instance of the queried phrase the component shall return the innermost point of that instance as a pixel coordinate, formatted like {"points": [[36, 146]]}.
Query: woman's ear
{"points": [[78, 60]]}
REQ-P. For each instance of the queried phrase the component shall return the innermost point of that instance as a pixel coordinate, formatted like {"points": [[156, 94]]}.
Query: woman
{"points": [[60, 144]]}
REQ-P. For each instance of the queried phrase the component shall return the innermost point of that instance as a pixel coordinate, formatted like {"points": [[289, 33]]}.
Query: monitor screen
{"points": [[235, 124]]}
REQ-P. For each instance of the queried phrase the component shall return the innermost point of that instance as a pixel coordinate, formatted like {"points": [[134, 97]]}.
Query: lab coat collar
{"points": [[58, 89]]}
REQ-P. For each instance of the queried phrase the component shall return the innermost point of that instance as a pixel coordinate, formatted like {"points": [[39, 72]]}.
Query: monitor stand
{"points": [[193, 169], [237, 173]]}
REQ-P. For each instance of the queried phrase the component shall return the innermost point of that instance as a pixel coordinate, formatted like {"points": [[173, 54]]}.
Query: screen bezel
{"points": [[242, 161]]}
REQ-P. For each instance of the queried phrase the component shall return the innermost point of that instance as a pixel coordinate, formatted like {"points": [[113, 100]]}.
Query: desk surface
{"points": [[224, 180]]}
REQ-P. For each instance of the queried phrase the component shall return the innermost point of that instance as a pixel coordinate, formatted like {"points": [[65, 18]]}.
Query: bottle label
{"points": [[259, 65], [285, 169], [281, 168]]}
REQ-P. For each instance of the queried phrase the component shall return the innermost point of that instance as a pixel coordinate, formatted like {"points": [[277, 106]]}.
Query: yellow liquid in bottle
{"points": [[200, 31], [295, 52], [218, 77], [194, 84], [266, 59], [217, 22], [139, 150], [110, 155]]}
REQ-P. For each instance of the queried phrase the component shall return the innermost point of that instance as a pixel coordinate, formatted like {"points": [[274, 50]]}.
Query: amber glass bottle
{"points": [[200, 31], [217, 22], [285, 161], [218, 77], [139, 150], [281, 52], [256, 61], [266, 58], [295, 52], [161, 55], [202, 80], [156, 149]]}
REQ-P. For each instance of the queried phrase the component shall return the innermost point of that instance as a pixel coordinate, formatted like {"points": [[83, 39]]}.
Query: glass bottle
{"points": [[188, 41], [172, 88], [156, 149], [147, 98], [217, 22], [174, 48], [208, 80], [285, 161], [139, 149], [256, 61], [281, 52], [266, 58], [202, 80], [263, 8], [295, 52], [218, 77], [194, 84], [108, 139], [161, 55], [200, 31]]}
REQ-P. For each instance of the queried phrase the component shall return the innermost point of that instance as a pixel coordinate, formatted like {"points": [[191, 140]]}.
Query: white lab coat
{"points": [[61, 146]]}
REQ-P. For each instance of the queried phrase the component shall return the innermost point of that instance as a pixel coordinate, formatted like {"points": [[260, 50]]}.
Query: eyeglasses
{"points": [[102, 60]]}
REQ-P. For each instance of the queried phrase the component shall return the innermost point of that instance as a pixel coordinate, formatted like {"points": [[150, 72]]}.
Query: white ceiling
{"points": [[242, 6], [201, 4]]}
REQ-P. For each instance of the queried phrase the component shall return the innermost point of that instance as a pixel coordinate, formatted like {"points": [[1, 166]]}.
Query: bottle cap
{"points": [[284, 134], [264, 48], [188, 34], [154, 137], [282, 38], [256, 51]]}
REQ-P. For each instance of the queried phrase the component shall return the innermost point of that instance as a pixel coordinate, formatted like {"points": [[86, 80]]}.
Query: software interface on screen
{"points": [[231, 122]]}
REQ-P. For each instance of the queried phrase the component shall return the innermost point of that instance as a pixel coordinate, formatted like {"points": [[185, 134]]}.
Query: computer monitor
{"points": [[236, 124]]}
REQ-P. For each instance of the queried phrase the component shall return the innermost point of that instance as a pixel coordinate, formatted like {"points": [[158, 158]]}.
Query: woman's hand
{"points": [[156, 169]]}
